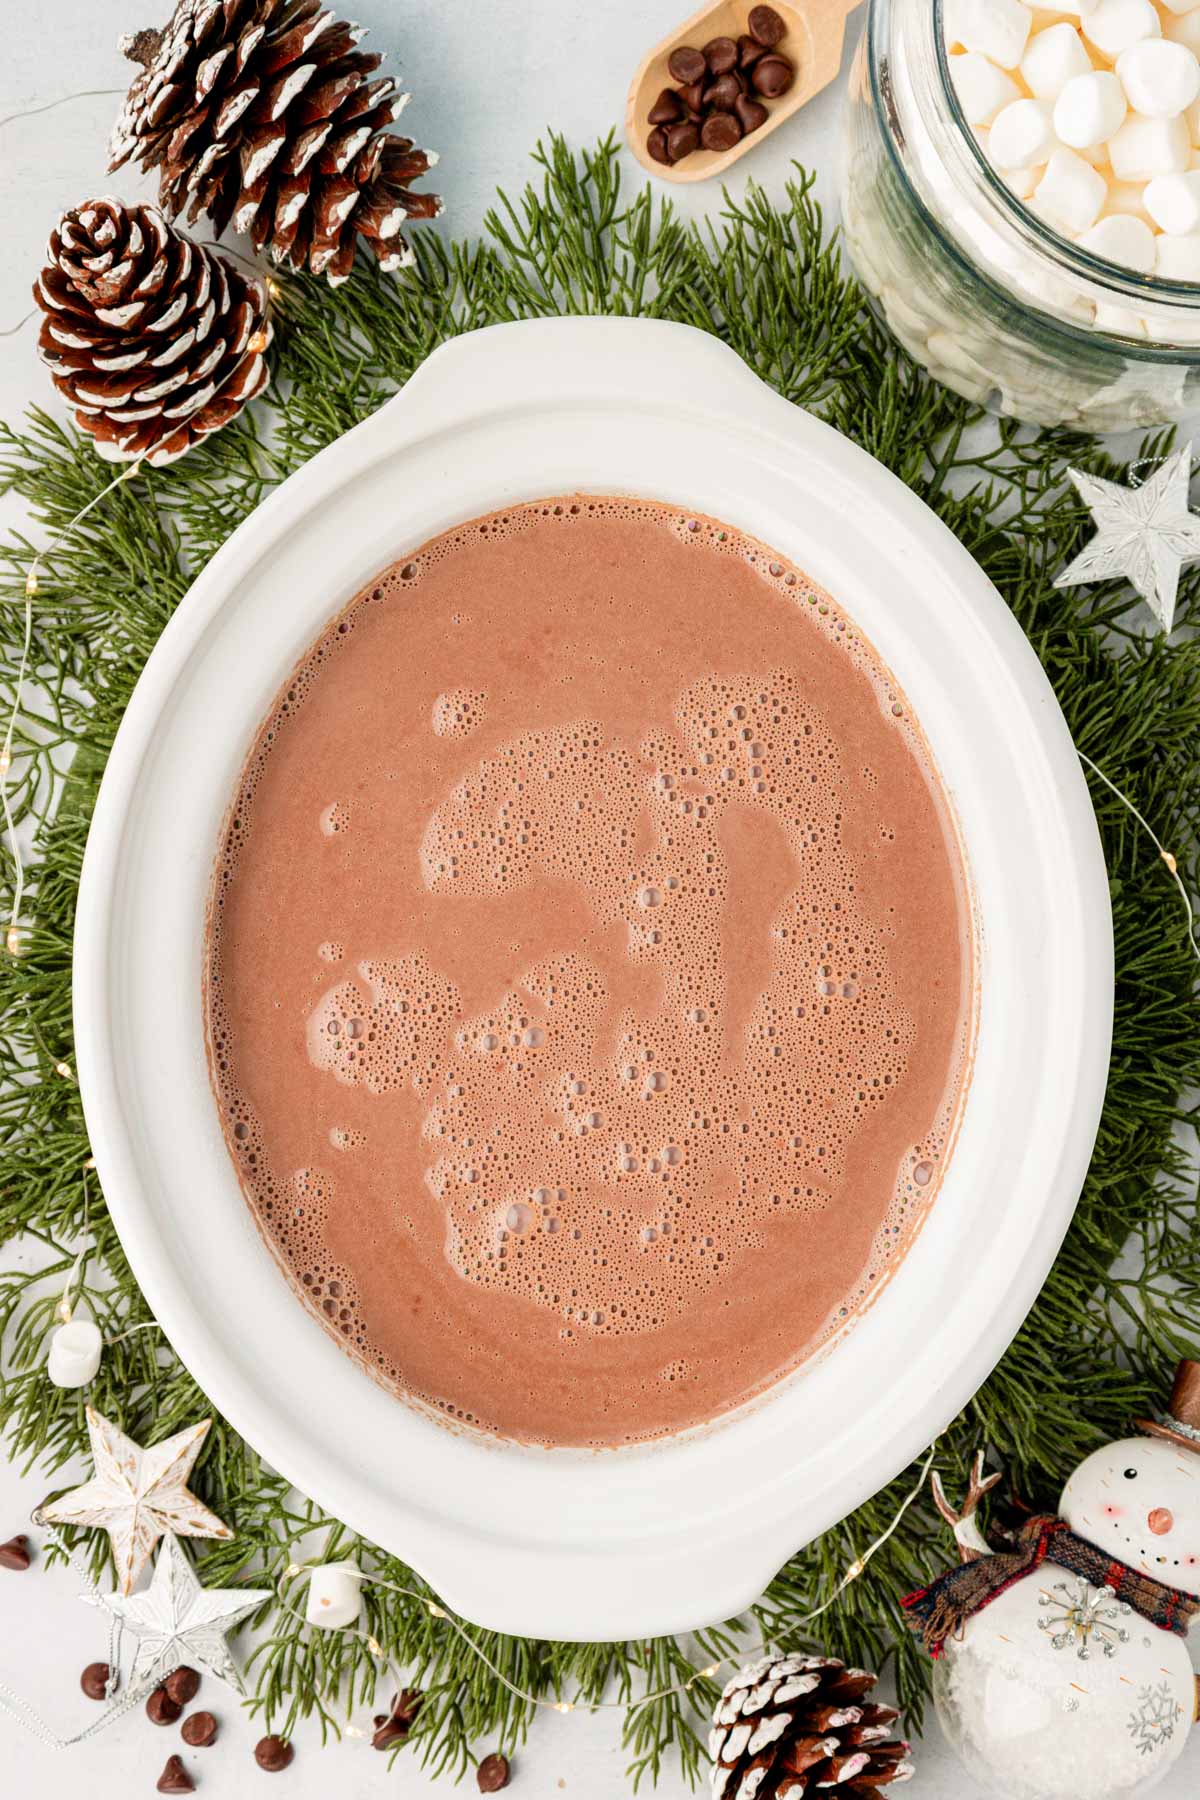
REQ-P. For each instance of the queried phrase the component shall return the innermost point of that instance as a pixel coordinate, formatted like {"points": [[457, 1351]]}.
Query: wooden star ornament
{"points": [[176, 1620], [1146, 534], [138, 1494]]}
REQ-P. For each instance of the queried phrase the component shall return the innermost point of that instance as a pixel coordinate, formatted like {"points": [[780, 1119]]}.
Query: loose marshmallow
{"points": [[1144, 148], [334, 1595], [1179, 258], [1183, 30], [75, 1351], [982, 88], [1160, 78], [1051, 59], [1070, 194], [1121, 239], [1022, 134], [1173, 202], [1089, 109], [997, 29], [1116, 24]]}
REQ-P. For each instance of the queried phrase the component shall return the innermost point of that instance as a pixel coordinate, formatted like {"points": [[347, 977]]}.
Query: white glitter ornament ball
{"points": [[1034, 1719]]}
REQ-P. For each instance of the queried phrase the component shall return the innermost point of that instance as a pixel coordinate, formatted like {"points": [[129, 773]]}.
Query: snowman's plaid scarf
{"points": [[942, 1609]]}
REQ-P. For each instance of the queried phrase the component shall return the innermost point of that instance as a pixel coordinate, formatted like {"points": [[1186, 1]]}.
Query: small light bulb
{"points": [[374, 1646], [292, 1569], [31, 583], [89, 1165], [564, 1706], [435, 1612], [5, 761], [707, 1674], [355, 1731], [12, 941], [855, 1570], [1170, 861], [63, 1310], [64, 1069]]}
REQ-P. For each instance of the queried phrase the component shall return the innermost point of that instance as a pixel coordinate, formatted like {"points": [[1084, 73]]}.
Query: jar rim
{"points": [[1126, 285]]}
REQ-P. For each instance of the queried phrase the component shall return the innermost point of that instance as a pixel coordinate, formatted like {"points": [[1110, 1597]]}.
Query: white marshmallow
{"points": [[908, 324], [1051, 59], [1179, 257], [1160, 78], [1183, 30], [1021, 135], [981, 87], [1120, 319], [1022, 182], [334, 1594], [1126, 197], [1070, 194], [1144, 148], [1121, 239], [75, 1351], [1173, 202], [1116, 24], [997, 29], [1089, 109]]}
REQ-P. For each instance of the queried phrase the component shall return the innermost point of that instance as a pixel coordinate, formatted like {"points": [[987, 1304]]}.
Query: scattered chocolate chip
{"points": [[750, 114], [175, 1778], [391, 1727], [749, 50], [682, 140], [387, 1732], [492, 1773], [199, 1730], [183, 1684], [772, 76], [720, 53], [686, 64], [94, 1681], [161, 1709], [693, 97], [273, 1754], [15, 1554], [656, 144], [766, 25], [666, 109], [722, 95], [720, 131]]}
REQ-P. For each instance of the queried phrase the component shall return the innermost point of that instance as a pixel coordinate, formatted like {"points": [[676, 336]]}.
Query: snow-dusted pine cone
{"points": [[264, 114], [799, 1725], [155, 340]]}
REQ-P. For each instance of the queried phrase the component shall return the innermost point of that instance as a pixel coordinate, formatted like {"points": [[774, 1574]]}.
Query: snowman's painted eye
{"points": [[1131, 1474]]}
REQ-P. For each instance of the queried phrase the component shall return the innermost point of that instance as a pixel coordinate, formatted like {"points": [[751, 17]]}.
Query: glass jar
{"points": [[975, 286]]}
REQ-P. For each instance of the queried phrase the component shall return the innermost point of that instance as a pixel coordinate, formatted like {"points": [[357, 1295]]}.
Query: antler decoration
{"points": [[970, 1540]]}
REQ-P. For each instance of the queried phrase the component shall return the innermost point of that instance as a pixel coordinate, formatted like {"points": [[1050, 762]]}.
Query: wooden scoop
{"points": [[815, 30]]}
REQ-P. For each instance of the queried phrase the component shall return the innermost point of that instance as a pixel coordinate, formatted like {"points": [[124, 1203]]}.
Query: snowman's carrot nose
{"points": [[1160, 1520]]}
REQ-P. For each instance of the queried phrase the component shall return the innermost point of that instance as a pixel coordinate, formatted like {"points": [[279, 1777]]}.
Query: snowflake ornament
{"points": [[137, 1495], [177, 1620], [1082, 1617]]}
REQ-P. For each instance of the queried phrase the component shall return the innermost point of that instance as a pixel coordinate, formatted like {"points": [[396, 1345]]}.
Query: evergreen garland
{"points": [[766, 279]]}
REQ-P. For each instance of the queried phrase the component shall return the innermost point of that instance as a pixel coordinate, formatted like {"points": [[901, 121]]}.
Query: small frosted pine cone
{"points": [[154, 339], [265, 115], [792, 1726]]}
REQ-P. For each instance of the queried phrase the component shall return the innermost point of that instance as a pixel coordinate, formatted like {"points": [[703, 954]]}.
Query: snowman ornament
{"points": [[1062, 1665]]}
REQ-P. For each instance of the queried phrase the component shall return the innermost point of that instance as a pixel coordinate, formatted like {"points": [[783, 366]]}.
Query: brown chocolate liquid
{"points": [[589, 975]]}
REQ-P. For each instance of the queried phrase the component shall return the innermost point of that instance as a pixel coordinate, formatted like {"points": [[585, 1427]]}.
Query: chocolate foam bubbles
{"points": [[590, 972]]}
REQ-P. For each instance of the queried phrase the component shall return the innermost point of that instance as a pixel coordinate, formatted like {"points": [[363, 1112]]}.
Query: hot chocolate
{"points": [[589, 975]]}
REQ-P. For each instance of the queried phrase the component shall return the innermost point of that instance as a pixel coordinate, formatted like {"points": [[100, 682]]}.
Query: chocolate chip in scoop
{"points": [[686, 64], [772, 76], [721, 54], [720, 131], [766, 25]]}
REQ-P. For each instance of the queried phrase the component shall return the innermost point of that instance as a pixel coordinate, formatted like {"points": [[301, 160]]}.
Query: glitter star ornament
{"points": [[138, 1494], [177, 1620], [1145, 534]]}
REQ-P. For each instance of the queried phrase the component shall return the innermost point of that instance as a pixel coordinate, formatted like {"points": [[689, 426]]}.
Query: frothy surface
{"points": [[589, 974]]}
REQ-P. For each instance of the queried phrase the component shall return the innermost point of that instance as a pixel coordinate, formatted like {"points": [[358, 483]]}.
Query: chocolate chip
{"points": [[720, 53], [175, 1778], [720, 131], [273, 1754], [686, 64], [656, 144], [750, 114], [94, 1681], [394, 1726], [666, 109], [492, 1773], [766, 25], [693, 97], [682, 140], [388, 1732], [161, 1709], [199, 1730], [15, 1554], [772, 76], [749, 50], [183, 1684], [723, 94]]}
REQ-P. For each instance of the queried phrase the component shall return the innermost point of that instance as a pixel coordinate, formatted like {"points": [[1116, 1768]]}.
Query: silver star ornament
{"points": [[138, 1494], [178, 1621], [1144, 533]]}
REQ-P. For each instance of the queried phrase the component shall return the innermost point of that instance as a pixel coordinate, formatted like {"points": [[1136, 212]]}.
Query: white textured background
{"points": [[486, 80]]}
